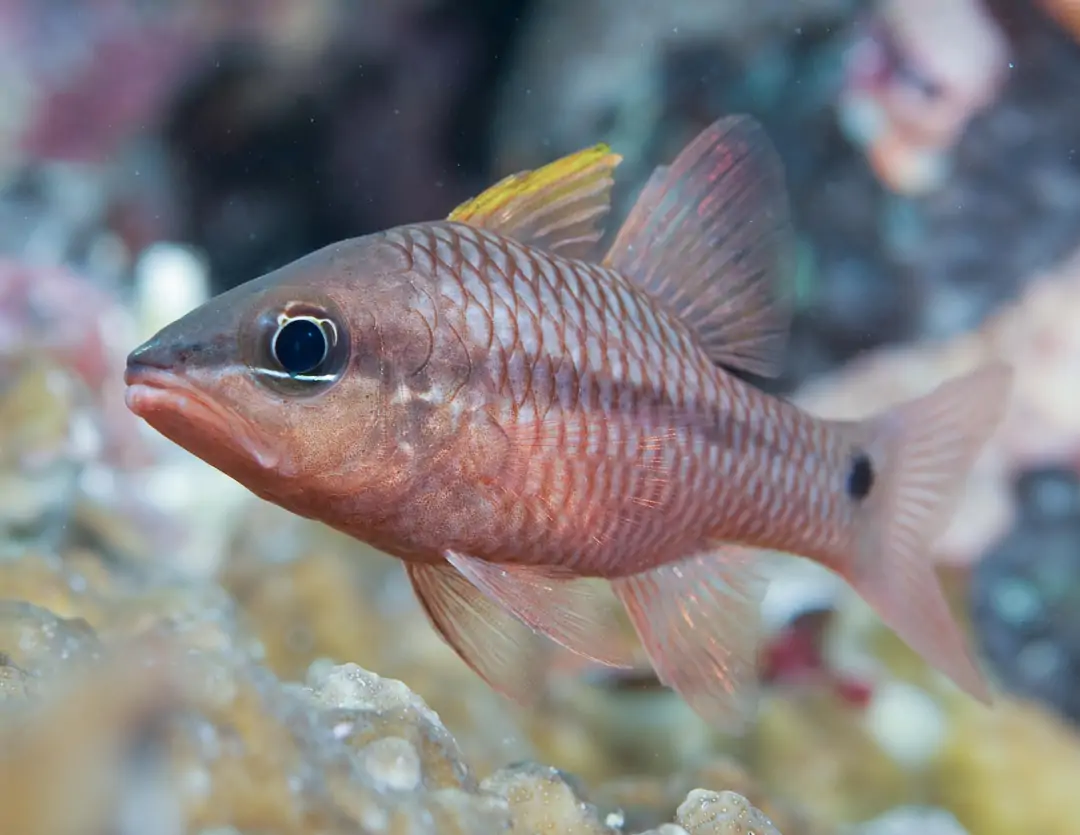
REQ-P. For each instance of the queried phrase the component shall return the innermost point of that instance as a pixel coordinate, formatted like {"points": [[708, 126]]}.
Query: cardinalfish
{"points": [[528, 422]]}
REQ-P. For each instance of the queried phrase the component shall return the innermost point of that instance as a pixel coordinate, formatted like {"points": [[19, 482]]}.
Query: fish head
{"points": [[285, 383]]}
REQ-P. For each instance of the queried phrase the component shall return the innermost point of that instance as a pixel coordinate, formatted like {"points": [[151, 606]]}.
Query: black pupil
{"points": [[300, 346], [861, 477]]}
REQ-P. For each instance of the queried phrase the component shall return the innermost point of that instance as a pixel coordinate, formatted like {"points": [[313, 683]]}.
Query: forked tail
{"points": [[920, 454]]}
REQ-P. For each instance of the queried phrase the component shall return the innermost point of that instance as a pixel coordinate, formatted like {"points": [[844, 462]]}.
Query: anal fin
{"points": [[498, 647], [710, 237], [699, 620], [567, 609]]}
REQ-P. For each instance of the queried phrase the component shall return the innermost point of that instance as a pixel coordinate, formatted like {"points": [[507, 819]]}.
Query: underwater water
{"points": [[180, 656]]}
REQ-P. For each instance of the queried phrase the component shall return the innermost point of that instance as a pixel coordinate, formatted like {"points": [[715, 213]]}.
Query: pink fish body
{"points": [[510, 417]]}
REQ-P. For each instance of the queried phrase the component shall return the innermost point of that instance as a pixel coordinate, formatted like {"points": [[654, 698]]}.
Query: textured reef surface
{"points": [[178, 657]]}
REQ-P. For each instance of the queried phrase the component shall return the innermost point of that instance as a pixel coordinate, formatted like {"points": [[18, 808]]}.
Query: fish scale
{"points": [[510, 413], [583, 387], [581, 488]]}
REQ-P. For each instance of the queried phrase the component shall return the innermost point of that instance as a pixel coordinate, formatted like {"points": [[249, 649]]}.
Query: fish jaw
{"points": [[176, 408]]}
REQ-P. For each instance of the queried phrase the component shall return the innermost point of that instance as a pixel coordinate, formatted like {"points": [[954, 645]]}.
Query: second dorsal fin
{"points": [[558, 207], [710, 237]]}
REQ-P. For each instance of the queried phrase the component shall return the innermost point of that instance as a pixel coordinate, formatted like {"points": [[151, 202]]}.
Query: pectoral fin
{"points": [[499, 648], [569, 610], [699, 621]]}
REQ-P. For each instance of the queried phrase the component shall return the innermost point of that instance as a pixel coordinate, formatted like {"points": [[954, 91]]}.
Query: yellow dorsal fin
{"points": [[557, 207]]}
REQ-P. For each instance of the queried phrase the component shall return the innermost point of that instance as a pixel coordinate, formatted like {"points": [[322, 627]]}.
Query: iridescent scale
{"points": [[638, 450]]}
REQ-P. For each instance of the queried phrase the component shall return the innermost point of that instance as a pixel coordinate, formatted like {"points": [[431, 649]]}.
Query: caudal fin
{"points": [[921, 453]]}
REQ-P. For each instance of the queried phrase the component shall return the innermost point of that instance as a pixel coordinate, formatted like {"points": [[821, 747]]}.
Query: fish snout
{"points": [[149, 355], [158, 354]]}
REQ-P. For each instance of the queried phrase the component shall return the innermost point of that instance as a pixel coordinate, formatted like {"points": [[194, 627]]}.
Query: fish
{"points": [[529, 420]]}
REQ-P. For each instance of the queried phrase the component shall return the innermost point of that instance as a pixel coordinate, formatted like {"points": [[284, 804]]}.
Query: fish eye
{"points": [[300, 345], [299, 348]]}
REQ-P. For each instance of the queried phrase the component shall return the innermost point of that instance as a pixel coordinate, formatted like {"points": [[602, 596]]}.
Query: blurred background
{"points": [[174, 653]]}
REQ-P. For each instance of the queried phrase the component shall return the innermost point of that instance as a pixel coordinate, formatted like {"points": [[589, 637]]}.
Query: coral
{"points": [[1011, 769], [632, 719], [55, 315], [541, 800], [807, 749], [1066, 12], [171, 649], [726, 813], [37, 643], [912, 820], [311, 593], [371, 105], [595, 68], [369, 707], [1024, 593], [911, 92], [1010, 210], [165, 727]]}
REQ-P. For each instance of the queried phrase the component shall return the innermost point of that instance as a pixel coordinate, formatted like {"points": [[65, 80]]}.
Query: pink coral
{"points": [[83, 327], [917, 73]]}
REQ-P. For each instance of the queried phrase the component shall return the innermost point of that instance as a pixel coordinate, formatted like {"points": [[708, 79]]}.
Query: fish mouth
{"points": [[187, 416]]}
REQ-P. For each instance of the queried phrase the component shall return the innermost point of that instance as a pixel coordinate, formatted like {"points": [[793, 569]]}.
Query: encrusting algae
{"points": [[160, 732], [515, 415]]}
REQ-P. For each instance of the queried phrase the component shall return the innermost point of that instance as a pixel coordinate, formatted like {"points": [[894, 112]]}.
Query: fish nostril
{"points": [[157, 354], [148, 355], [142, 359]]}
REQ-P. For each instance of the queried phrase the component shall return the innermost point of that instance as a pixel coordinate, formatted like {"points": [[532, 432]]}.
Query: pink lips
{"points": [[150, 389], [166, 401], [143, 399]]}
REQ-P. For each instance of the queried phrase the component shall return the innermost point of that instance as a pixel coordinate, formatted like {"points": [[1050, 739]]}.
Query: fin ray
{"points": [[699, 620], [710, 237], [923, 451], [498, 647], [567, 609], [558, 207]]}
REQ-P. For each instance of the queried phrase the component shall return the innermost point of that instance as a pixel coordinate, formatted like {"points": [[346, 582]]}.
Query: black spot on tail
{"points": [[860, 477]]}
